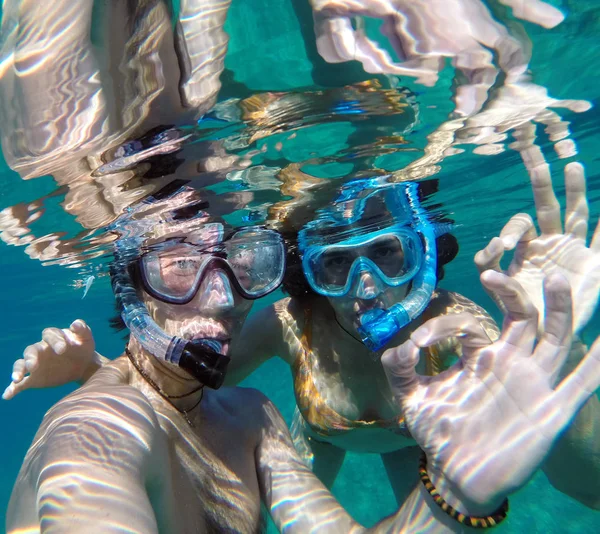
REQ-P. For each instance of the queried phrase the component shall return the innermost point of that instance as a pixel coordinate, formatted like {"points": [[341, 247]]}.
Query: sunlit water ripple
{"points": [[276, 148]]}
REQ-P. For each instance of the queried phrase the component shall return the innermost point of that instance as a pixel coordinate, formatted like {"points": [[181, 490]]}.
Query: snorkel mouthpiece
{"points": [[202, 362], [378, 327]]}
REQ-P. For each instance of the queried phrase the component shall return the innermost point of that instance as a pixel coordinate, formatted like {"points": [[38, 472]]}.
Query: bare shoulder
{"points": [[104, 410], [104, 440]]}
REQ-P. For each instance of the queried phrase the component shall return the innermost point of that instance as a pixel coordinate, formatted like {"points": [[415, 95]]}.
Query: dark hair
{"points": [[116, 321]]}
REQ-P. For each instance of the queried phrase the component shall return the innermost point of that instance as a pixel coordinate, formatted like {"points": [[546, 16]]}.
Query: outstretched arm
{"points": [[469, 420], [62, 356], [574, 464], [299, 502], [111, 463]]}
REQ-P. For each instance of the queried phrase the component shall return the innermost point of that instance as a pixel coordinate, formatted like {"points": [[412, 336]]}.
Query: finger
{"points": [[535, 11], [511, 293], [490, 256], [577, 212], [556, 128], [463, 326], [595, 244], [399, 365], [519, 229], [18, 372], [577, 387], [31, 355], [81, 329], [520, 324], [79, 333], [553, 347], [56, 340], [14, 388], [546, 205]]}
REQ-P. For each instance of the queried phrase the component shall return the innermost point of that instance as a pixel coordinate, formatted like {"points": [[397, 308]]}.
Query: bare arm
{"points": [[574, 463], [89, 467], [299, 502], [261, 339]]}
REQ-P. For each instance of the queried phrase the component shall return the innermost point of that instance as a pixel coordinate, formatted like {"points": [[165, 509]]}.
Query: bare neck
{"points": [[175, 385]]}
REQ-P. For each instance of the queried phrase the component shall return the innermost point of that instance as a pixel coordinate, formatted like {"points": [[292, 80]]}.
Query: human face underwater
{"points": [[378, 279], [193, 291], [365, 272], [205, 286]]}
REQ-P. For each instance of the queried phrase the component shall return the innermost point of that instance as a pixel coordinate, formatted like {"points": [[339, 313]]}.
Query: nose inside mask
{"points": [[215, 291], [368, 286]]}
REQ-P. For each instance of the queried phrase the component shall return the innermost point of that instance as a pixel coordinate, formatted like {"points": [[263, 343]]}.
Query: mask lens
{"points": [[387, 252], [257, 261], [173, 273], [331, 268]]}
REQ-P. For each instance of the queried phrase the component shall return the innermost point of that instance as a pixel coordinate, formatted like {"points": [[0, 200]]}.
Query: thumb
{"points": [[80, 328], [15, 387]]}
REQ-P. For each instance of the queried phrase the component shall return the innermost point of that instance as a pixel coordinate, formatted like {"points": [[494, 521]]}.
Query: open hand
{"points": [[487, 423], [554, 251], [61, 357]]}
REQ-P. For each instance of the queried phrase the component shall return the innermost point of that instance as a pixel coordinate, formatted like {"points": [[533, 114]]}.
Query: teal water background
{"points": [[481, 192]]}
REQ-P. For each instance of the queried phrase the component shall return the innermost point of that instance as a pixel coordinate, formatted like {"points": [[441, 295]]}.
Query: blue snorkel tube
{"points": [[378, 327]]}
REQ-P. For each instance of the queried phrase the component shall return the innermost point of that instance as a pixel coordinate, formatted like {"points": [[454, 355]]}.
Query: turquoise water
{"points": [[481, 193]]}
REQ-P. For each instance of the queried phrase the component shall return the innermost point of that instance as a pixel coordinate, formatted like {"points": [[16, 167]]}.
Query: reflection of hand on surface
{"points": [[516, 107], [554, 251], [423, 33], [488, 422], [61, 357]]}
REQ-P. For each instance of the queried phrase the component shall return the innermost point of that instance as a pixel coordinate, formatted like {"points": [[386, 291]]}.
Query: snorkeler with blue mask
{"points": [[397, 255]]}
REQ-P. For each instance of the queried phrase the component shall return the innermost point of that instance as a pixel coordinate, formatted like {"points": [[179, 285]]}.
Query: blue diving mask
{"points": [[393, 255]]}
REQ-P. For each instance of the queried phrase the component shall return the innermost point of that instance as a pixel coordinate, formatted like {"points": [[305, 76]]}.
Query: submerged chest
{"points": [[214, 482], [340, 388]]}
